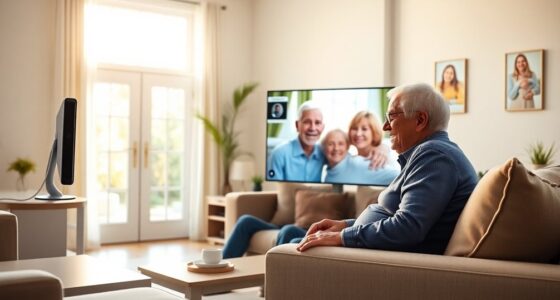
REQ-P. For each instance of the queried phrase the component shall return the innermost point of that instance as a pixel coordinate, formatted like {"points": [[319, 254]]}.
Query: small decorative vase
{"points": [[257, 187], [20, 184], [538, 166]]}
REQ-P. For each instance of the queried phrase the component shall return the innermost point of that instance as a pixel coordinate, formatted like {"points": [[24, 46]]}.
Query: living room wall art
{"points": [[524, 80], [451, 80]]}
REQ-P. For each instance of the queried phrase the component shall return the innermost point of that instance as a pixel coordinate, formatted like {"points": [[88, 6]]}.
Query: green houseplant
{"points": [[540, 155], [257, 183], [22, 166], [225, 135]]}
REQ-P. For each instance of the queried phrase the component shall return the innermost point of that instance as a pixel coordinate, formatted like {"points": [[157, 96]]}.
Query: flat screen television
{"points": [[286, 159], [62, 151]]}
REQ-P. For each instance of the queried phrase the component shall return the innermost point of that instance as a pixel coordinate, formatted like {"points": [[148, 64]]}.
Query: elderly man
{"points": [[418, 210], [301, 159]]}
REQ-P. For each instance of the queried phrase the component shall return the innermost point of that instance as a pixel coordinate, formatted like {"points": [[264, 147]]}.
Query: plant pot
{"points": [[538, 166], [257, 187]]}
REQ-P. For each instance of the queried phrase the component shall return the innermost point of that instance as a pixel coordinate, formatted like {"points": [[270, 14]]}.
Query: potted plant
{"points": [[225, 135], [257, 183], [540, 155], [22, 166]]}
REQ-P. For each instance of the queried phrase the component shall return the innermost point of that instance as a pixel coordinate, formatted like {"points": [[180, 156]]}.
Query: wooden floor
{"points": [[131, 255]]}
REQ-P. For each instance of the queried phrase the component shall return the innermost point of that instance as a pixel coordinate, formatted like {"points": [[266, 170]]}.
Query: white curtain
{"points": [[70, 80], [204, 178]]}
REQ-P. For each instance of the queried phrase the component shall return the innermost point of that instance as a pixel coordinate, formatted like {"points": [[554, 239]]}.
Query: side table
{"points": [[216, 219]]}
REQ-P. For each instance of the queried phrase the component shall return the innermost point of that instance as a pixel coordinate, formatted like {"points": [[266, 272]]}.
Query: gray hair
{"points": [[308, 105], [423, 97], [336, 130]]}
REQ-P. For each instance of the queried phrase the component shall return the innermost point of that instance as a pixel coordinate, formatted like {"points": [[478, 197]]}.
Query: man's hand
{"points": [[320, 238], [326, 225]]}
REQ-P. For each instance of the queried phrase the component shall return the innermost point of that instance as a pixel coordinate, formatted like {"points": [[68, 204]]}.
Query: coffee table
{"points": [[248, 272], [81, 274]]}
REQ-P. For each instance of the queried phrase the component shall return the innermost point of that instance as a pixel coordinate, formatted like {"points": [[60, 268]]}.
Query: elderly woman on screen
{"points": [[344, 168]]}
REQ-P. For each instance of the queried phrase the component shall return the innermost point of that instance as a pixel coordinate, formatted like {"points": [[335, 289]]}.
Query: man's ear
{"points": [[297, 126], [422, 119]]}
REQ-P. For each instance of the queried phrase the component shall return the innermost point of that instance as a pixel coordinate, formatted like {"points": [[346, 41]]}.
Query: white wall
{"points": [[26, 87], [483, 31], [27, 40], [312, 44], [315, 44]]}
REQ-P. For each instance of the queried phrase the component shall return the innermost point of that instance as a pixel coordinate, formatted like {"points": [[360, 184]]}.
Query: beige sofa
{"points": [[265, 204], [347, 273], [37, 284]]}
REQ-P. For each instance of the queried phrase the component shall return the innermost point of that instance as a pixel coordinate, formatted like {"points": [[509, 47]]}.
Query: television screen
{"points": [[328, 136]]}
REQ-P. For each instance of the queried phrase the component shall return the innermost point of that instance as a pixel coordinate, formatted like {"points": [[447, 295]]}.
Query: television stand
{"points": [[338, 188]]}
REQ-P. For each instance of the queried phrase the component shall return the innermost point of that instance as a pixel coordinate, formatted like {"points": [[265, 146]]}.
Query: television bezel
{"points": [[337, 187]]}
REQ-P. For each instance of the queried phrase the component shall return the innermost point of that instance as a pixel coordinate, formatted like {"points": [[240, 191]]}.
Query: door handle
{"points": [[146, 152], [134, 155]]}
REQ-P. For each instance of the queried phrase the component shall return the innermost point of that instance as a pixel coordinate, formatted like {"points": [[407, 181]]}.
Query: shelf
{"points": [[216, 200], [217, 218]]}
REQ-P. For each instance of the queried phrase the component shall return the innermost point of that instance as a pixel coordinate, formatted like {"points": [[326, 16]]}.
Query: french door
{"points": [[141, 124]]}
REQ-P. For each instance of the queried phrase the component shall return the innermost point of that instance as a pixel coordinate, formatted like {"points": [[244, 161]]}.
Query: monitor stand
{"points": [[52, 192]]}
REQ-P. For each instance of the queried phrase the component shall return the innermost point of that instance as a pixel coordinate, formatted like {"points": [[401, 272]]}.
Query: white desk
{"points": [[42, 226]]}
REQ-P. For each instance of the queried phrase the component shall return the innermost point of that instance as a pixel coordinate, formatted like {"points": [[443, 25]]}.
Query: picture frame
{"points": [[524, 87], [450, 79]]}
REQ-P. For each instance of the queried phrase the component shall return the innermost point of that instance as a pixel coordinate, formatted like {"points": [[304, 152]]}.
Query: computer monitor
{"points": [[63, 151]]}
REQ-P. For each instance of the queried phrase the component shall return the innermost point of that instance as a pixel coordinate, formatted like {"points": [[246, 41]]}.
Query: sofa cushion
{"points": [[286, 201], [313, 206], [365, 196], [512, 214]]}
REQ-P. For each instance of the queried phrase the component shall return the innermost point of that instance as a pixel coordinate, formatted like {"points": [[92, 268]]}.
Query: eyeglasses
{"points": [[390, 116]]}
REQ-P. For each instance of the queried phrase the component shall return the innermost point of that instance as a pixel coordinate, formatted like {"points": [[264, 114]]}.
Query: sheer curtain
{"points": [[70, 80], [205, 175]]}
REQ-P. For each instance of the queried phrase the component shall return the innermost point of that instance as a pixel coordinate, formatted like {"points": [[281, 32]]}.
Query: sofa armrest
{"points": [[30, 285], [347, 273], [259, 204], [8, 236]]}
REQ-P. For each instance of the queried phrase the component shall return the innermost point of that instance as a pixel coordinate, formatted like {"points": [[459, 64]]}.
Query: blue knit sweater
{"points": [[418, 210]]}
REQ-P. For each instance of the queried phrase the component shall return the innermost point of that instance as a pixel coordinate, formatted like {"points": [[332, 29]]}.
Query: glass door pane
{"points": [[115, 154], [165, 105], [166, 149]]}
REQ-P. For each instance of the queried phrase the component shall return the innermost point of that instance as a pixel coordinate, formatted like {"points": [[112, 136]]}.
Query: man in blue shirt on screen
{"points": [[418, 210], [300, 159]]}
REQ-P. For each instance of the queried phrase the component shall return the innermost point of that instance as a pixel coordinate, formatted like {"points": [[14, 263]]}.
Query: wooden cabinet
{"points": [[216, 219]]}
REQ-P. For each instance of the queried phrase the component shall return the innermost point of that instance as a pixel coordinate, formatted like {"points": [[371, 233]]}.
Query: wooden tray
{"points": [[194, 268]]}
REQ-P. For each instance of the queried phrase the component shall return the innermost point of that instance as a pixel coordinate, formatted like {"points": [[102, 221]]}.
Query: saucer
{"points": [[201, 264]]}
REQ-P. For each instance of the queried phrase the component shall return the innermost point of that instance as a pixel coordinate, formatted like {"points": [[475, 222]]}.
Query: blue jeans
{"points": [[247, 225]]}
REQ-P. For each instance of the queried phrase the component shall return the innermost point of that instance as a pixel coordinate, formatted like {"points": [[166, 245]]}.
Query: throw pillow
{"points": [[512, 214], [365, 196], [285, 209], [313, 206], [551, 173]]}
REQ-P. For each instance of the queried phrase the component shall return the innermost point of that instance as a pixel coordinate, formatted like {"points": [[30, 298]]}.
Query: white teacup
{"points": [[211, 256]]}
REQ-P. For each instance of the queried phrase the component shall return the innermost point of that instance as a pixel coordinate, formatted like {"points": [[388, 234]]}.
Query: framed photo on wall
{"points": [[524, 80], [451, 80]]}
